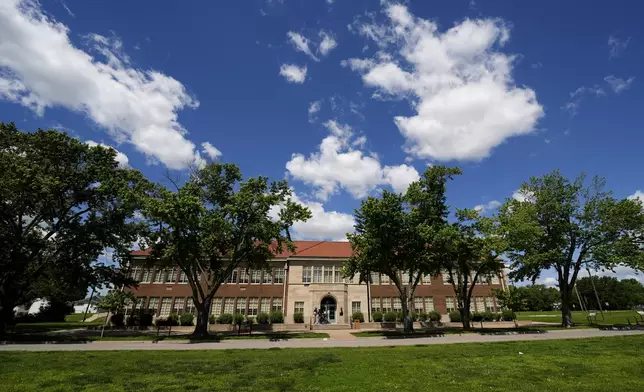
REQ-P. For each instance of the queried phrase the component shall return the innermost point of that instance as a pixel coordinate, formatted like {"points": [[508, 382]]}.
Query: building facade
{"points": [[300, 282]]}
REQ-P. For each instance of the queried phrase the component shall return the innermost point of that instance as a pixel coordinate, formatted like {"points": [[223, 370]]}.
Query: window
{"points": [[243, 276], [484, 279], [328, 274], [166, 304], [418, 304], [445, 275], [179, 304], [277, 304], [159, 275], [489, 304], [298, 307], [232, 278], [384, 279], [140, 303], [146, 276], [429, 304], [405, 278], [255, 276], [279, 275], [215, 308], [375, 278], [495, 279], [183, 278], [153, 304], [427, 279], [317, 274], [386, 304], [229, 305], [135, 272], [375, 305], [253, 306], [172, 276], [449, 304], [397, 305], [480, 304], [240, 308], [190, 306], [355, 307], [337, 274], [472, 308], [265, 305], [267, 277]]}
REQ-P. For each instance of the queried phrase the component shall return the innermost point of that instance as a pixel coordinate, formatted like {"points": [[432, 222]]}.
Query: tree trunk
{"points": [[201, 325], [408, 322], [566, 304]]}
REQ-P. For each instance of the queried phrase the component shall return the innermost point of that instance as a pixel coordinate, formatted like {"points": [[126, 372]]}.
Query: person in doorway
{"points": [[315, 316]]}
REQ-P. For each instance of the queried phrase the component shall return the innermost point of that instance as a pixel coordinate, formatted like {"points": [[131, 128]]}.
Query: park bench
{"points": [[592, 318]]}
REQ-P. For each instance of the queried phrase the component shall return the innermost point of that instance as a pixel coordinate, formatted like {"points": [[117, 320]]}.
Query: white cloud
{"points": [[618, 84], [323, 225], [487, 207], [458, 82], [616, 46], [338, 165], [293, 73], [328, 43], [314, 108], [518, 195], [40, 68], [638, 195], [210, 150], [301, 44], [121, 158]]}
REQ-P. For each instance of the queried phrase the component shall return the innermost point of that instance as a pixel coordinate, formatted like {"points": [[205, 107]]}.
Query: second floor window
{"points": [[307, 274]]}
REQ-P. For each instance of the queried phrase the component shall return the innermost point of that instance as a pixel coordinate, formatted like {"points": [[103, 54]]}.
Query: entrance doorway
{"points": [[328, 305]]}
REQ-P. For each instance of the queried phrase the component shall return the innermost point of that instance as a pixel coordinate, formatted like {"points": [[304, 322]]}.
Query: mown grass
{"points": [[614, 317], [56, 326], [77, 316], [603, 364]]}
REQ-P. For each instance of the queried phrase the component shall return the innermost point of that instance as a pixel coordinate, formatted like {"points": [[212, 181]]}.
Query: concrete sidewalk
{"points": [[340, 341]]}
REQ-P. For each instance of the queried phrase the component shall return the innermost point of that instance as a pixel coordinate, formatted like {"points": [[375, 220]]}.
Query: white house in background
{"points": [[82, 308]]}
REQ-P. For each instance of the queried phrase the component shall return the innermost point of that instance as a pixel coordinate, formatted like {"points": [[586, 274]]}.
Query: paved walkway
{"points": [[313, 343]]}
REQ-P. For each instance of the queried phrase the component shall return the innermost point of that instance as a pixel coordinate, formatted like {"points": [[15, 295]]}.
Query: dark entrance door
{"points": [[328, 306]]}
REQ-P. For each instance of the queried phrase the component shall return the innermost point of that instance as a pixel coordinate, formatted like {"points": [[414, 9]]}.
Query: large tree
{"points": [[609, 292], [216, 221], [394, 233], [536, 297], [569, 225], [468, 250], [62, 203]]}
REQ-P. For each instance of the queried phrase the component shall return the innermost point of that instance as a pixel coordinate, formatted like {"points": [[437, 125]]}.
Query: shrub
{"points": [[262, 318], [117, 320], [414, 316], [212, 319], [455, 316], [225, 318], [377, 317], [277, 317], [399, 317], [238, 318], [145, 320], [390, 317], [488, 316], [423, 316], [358, 316], [173, 319], [161, 322], [132, 320], [476, 317], [498, 317], [434, 316], [298, 318], [508, 315], [187, 319]]}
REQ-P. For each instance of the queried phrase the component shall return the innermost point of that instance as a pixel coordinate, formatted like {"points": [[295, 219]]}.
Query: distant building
{"points": [[300, 282]]}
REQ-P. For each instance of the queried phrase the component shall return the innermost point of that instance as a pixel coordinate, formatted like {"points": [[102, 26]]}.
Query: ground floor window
{"points": [[229, 305], [429, 304], [298, 307], [277, 304], [450, 304], [179, 304], [253, 306], [166, 304], [489, 304], [397, 305], [418, 304], [355, 307], [386, 304], [140, 303], [215, 308], [375, 305], [240, 308], [153, 304], [190, 306], [480, 304], [265, 306]]}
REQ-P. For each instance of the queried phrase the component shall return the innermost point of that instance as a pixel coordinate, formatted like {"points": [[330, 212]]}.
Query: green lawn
{"points": [[77, 316], [605, 364], [610, 317], [446, 331]]}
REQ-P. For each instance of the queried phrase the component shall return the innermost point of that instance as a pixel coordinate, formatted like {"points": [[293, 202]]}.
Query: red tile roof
{"points": [[322, 249]]}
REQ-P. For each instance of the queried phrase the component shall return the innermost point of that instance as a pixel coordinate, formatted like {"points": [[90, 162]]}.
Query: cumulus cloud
{"points": [[616, 46], [458, 82], [121, 158], [618, 84], [638, 195], [210, 150], [487, 207], [40, 68], [327, 44], [339, 165], [314, 108], [293, 73], [323, 225]]}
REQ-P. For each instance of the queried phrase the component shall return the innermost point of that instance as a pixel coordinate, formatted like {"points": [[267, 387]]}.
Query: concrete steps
{"points": [[329, 327]]}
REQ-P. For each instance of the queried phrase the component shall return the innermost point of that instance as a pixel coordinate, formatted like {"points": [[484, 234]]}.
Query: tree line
{"points": [[63, 203]]}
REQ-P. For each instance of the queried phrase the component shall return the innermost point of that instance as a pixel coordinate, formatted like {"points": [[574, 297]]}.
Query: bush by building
{"points": [[298, 318], [263, 318], [238, 318], [390, 317], [277, 317], [117, 320], [434, 316], [357, 316], [377, 317], [187, 319], [455, 316], [508, 315], [225, 318]]}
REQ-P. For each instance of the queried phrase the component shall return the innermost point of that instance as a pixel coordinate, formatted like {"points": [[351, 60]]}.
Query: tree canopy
{"points": [[613, 294], [215, 222], [62, 203], [534, 298], [569, 225]]}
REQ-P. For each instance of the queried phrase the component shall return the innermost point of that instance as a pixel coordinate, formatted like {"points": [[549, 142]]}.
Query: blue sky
{"points": [[343, 98]]}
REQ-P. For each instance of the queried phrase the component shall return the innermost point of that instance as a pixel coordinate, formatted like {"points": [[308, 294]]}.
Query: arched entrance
{"points": [[328, 306]]}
